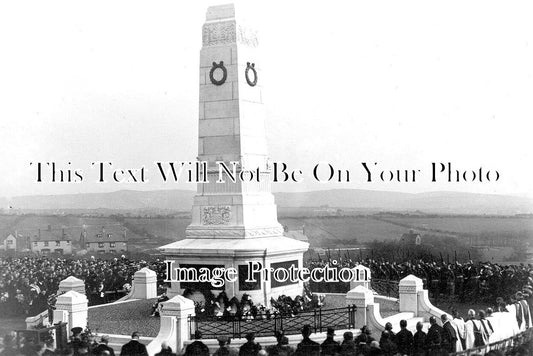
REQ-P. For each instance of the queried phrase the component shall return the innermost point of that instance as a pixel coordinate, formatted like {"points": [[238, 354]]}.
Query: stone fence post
{"points": [[362, 277], [71, 283], [72, 308], [361, 297], [409, 288], [174, 328], [144, 284]]}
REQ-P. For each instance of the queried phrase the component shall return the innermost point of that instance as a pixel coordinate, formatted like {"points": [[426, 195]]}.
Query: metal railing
{"points": [[318, 319]]}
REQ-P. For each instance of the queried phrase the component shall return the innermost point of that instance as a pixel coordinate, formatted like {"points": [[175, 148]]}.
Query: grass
{"points": [[125, 318]]}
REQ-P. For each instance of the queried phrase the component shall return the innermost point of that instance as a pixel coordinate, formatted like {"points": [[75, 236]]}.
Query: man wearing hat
{"points": [[102, 346], [330, 346], [75, 338], [307, 347], [250, 347]]}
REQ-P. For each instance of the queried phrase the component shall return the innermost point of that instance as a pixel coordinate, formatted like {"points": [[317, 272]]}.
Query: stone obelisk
{"points": [[234, 223]]}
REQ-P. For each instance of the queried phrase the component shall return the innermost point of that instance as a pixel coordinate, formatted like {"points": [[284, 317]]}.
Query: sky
{"points": [[403, 84]]}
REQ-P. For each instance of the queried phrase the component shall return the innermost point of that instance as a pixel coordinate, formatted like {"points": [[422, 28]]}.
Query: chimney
{"points": [[39, 236], [49, 227], [63, 232]]}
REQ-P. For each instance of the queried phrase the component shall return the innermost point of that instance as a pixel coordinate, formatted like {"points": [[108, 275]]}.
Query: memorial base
{"points": [[270, 252]]}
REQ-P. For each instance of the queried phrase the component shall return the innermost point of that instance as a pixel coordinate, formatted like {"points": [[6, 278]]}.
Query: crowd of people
{"points": [[455, 334], [29, 285], [467, 281]]}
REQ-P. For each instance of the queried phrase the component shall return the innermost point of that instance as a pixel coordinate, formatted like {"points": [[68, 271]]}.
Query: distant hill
{"points": [[433, 202], [181, 200]]}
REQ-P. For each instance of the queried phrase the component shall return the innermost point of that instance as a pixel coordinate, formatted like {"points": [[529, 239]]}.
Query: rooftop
{"points": [[108, 233]]}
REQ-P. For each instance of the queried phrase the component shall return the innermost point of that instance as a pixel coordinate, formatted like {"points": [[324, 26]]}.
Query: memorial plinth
{"points": [[234, 223]]}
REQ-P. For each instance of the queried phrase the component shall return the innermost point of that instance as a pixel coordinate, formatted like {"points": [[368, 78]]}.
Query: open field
{"points": [[469, 225], [146, 234], [345, 230]]}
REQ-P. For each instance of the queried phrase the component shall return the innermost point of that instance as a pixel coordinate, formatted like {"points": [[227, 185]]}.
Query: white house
{"points": [[9, 243], [105, 239], [51, 241]]}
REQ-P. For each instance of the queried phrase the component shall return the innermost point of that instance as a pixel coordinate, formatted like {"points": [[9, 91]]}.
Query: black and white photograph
{"points": [[266, 178]]}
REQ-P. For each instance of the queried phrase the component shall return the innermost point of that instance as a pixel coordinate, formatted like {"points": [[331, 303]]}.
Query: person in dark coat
{"points": [[250, 348], [434, 337], [419, 341], [307, 347], [329, 347], [348, 346], [362, 342], [83, 350], [374, 349], [282, 348], [75, 338], [449, 336], [388, 329], [224, 348], [388, 347], [404, 339], [197, 348], [102, 346], [165, 350], [134, 347]]}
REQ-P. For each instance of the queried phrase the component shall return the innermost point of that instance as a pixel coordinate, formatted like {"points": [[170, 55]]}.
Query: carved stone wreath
{"points": [[216, 215], [224, 73], [252, 68]]}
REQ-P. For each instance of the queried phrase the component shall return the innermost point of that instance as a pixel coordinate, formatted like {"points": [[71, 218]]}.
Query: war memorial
{"points": [[235, 234]]}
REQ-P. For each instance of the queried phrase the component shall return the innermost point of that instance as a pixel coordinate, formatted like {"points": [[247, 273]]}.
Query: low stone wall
{"points": [[33, 322], [387, 304]]}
